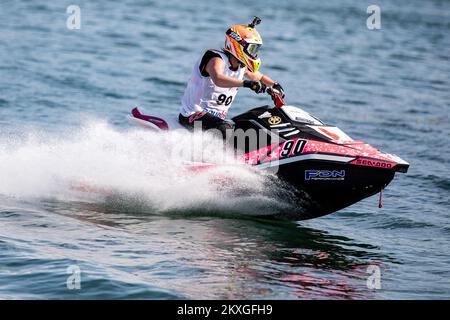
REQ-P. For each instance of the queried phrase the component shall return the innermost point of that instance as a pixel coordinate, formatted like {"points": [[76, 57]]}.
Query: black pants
{"points": [[207, 121]]}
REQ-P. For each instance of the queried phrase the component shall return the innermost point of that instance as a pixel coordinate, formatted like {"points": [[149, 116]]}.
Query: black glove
{"points": [[279, 88], [256, 86]]}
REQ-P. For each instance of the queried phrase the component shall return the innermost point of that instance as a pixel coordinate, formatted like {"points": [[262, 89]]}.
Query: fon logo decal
{"points": [[324, 175]]}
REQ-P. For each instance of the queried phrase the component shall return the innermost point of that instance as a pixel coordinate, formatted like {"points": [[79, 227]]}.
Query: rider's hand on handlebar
{"points": [[278, 88], [256, 86]]}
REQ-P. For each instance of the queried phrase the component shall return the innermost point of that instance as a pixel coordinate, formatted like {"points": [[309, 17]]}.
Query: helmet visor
{"points": [[252, 50]]}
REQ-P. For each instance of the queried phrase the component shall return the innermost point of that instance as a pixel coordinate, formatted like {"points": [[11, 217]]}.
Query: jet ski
{"points": [[325, 169]]}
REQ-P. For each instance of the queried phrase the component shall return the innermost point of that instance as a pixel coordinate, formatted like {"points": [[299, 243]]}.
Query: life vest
{"points": [[202, 95]]}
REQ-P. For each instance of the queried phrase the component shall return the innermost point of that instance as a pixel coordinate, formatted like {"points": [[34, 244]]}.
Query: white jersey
{"points": [[201, 94]]}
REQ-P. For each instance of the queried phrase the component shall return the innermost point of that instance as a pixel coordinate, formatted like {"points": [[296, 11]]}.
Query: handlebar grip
{"points": [[272, 91], [276, 97]]}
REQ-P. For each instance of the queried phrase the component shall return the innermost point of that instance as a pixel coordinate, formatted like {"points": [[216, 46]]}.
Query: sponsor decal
{"points": [[266, 114], [274, 120], [219, 114], [196, 116], [325, 175], [304, 120], [373, 163], [235, 36]]}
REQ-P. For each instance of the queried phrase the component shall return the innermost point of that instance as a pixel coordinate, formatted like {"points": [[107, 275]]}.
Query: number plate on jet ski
{"points": [[292, 148]]}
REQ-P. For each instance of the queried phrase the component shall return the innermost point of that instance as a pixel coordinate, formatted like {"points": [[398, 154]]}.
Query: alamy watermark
{"points": [[374, 280], [373, 22], [73, 281], [73, 21], [262, 147]]}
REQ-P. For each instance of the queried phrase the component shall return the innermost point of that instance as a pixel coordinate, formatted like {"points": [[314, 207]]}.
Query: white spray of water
{"points": [[99, 161]]}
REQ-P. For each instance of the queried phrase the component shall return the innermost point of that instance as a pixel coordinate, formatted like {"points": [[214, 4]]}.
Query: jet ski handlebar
{"points": [[276, 97]]}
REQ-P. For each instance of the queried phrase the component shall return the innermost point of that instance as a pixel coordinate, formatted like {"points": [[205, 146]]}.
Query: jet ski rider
{"points": [[216, 77]]}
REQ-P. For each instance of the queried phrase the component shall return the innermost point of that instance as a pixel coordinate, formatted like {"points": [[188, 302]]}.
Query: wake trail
{"points": [[98, 162]]}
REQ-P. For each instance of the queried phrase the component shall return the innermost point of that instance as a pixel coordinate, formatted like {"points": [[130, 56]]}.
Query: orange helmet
{"points": [[243, 42]]}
